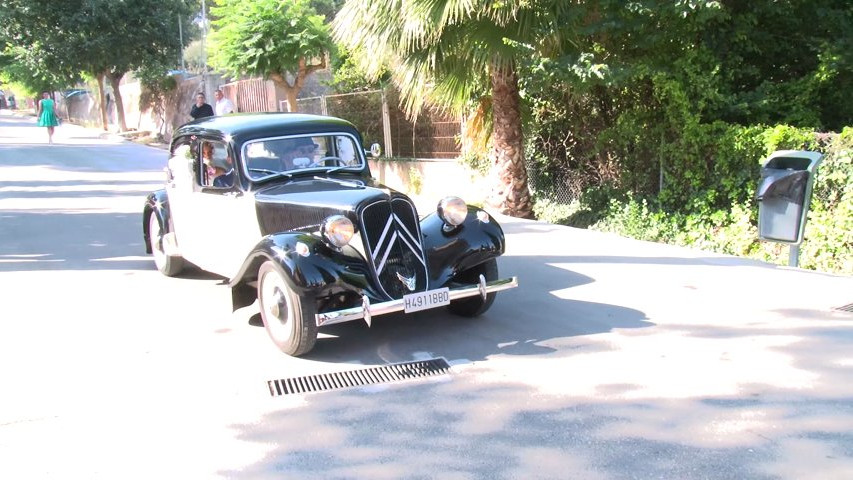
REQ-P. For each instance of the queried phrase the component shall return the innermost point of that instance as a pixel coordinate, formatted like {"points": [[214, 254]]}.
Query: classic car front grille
{"points": [[276, 217], [392, 238]]}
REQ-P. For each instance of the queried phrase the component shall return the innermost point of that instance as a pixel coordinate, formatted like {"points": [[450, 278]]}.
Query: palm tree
{"points": [[447, 53]]}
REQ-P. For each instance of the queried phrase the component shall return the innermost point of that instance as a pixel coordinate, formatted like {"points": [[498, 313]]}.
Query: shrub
{"points": [[701, 223]]}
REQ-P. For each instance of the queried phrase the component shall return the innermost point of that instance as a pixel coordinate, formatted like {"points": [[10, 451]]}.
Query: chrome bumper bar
{"points": [[368, 310]]}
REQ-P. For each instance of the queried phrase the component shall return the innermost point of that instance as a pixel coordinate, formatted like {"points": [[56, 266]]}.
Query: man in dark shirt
{"points": [[201, 109]]}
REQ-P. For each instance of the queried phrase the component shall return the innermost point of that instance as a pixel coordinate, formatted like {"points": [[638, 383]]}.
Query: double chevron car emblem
{"points": [[395, 231]]}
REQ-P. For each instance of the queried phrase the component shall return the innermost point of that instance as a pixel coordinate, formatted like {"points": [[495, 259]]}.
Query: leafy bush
{"points": [[828, 244]]}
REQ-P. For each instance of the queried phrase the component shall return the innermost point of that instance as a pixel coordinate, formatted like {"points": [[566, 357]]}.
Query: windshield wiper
{"points": [[333, 170], [275, 176], [346, 183]]}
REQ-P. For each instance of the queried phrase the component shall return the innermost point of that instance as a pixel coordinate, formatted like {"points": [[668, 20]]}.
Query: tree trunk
{"points": [[290, 91], [103, 100], [509, 193], [115, 81], [302, 72]]}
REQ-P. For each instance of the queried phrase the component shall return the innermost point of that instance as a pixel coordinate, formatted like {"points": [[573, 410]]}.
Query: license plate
{"points": [[424, 300]]}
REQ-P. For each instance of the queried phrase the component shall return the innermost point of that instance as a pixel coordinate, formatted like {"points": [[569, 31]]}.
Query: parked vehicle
{"points": [[284, 207]]}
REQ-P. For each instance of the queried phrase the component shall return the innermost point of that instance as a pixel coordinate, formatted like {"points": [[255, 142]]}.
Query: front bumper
{"points": [[368, 310]]}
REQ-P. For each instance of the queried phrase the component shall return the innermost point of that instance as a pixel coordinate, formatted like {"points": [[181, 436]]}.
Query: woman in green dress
{"points": [[47, 116]]}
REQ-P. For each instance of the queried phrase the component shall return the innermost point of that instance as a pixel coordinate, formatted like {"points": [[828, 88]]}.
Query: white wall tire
{"points": [[288, 318], [167, 264]]}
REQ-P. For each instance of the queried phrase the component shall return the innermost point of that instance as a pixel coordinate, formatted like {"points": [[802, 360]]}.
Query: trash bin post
{"points": [[784, 194]]}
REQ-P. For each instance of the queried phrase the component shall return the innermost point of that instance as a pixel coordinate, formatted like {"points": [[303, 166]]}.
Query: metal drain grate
{"points": [[846, 308], [355, 378]]}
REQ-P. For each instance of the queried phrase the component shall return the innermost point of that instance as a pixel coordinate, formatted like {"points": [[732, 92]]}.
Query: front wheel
{"points": [[288, 318], [168, 265], [474, 306]]}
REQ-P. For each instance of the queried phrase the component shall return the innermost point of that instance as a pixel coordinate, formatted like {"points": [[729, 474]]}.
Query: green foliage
{"points": [[266, 37], [194, 57], [415, 180], [828, 244], [478, 163], [349, 76]]}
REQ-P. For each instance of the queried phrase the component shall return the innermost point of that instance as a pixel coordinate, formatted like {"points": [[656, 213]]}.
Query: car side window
{"points": [[216, 165], [180, 164]]}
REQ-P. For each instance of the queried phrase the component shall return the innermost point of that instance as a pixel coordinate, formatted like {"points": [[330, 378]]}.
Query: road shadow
{"points": [[528, 320], [32, 241]]}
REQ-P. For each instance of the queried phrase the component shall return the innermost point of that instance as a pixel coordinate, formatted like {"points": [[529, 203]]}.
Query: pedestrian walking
{"points": [[201, 108], [223, 106], [47, 115]]}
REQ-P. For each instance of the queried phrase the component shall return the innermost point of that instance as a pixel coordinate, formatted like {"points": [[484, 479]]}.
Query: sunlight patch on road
{"points": [[71, 205], [668, 365], [132, 258]]}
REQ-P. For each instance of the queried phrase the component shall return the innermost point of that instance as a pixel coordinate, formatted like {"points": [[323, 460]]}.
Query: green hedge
{"points": [[707, 200]]}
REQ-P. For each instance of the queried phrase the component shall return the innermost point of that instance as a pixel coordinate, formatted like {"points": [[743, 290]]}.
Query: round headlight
{"points": [[452, 210], [337, 230]]}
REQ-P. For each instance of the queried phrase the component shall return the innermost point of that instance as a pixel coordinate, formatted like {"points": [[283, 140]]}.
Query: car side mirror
{"points": [[375, 150]]}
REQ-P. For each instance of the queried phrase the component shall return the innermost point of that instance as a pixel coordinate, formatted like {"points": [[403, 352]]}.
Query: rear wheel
{"points": [[168, 265], [288, 318], [474, 306]]}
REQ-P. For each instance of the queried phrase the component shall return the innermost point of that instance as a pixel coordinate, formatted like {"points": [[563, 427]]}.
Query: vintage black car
{"points": [[284, 207]]}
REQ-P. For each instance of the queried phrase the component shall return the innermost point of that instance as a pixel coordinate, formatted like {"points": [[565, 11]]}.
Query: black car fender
{"points": [[317, 269], [157, 203], [450, 250]]}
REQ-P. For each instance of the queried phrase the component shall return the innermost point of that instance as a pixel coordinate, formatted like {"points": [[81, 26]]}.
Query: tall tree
{"points": [[120, 37], [29, 33], [275, 39], [448, 53], [104, 38]]}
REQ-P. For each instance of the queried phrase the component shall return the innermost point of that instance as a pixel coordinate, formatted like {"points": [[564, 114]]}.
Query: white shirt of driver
{"points": [[223, 107]]}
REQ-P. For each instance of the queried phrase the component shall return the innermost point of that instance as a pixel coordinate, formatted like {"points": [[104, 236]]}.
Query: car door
{"points": [[215, 221]]}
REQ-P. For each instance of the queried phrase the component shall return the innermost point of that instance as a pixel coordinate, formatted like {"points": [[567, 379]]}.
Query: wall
{"points": [[84, 108], [428, 181]]}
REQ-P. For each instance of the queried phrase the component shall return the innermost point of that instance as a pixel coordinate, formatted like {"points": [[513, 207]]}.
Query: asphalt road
{"points": [[614, 358]]}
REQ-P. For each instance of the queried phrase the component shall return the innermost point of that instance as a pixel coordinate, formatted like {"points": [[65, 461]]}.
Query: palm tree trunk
{"points": [[509, 192]]}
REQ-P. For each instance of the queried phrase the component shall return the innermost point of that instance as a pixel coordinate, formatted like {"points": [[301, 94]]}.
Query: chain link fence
{"points": [[558, 185]]}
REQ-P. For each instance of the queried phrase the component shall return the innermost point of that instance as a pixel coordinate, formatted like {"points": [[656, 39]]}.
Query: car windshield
{"points": [[270, 157]]}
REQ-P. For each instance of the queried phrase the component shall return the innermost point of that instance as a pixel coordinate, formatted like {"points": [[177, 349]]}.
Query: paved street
{"points": [[614, 359]]}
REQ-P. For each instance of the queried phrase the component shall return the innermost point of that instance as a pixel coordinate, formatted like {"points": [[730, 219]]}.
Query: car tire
{"points": [[168, 265], [288, 318], [474, 306]]}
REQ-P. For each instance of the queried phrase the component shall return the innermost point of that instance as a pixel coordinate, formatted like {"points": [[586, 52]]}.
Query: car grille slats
{"points": [[392, 237]]}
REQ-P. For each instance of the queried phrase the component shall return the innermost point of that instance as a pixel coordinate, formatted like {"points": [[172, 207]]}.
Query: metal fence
{"points": [[558, 185], [379, 119]]}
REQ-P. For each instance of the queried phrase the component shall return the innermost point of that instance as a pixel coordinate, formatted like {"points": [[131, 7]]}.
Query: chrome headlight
{"points": [[452, 210], [337, 230]]}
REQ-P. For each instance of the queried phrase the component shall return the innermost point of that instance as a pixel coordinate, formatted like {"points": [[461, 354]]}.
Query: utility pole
{"points": [[203, 48], [181, 36]]}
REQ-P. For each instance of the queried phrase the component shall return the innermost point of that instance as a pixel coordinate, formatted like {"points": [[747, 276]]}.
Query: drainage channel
{"points": [[354, 378], [846, 308]]}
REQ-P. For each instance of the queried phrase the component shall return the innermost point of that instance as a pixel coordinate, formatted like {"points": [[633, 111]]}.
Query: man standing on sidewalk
{"points": [[223, 106], [201, 108]]}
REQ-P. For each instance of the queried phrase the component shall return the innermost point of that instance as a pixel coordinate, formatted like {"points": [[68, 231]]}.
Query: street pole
{"points": [[181, 36], [203, 48]]}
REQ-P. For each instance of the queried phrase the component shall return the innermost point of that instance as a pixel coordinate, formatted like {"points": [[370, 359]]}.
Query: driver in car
{"points": [[302, 153]]}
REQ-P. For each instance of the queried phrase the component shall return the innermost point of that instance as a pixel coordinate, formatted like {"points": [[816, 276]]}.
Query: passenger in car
{"points": [[219, 172]]}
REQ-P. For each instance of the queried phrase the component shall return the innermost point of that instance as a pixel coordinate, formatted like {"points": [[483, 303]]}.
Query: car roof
{"points": [[246, 126]]}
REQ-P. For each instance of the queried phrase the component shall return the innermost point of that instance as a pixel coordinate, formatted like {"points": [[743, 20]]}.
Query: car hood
{"points": [[303, 204]]}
